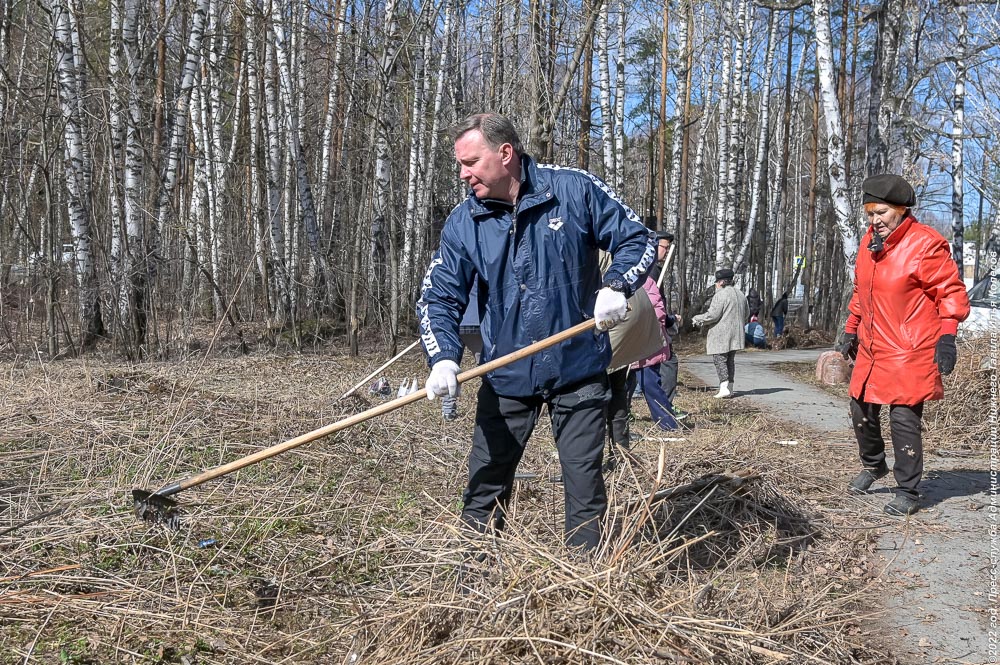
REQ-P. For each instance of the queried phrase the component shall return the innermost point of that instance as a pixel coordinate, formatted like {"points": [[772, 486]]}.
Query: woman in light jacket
{"points": [[726, 315]]}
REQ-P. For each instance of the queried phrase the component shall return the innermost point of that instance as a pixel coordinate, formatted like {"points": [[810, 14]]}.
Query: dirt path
{"points": [[935, 563]]}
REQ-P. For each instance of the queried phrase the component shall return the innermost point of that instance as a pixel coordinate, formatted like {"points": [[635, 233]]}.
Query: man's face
{"points": [[484, 169], [661, 249]]}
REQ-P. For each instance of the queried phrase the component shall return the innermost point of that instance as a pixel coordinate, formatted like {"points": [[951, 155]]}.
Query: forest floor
{"points": [[725, 544]]}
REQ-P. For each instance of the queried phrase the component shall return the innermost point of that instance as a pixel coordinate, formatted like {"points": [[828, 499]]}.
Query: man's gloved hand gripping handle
{"points": [[610, 308], [443, 380]]}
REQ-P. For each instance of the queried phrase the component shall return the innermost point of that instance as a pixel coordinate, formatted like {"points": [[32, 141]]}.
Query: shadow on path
{"points": [[938, 486], [761, 391]]}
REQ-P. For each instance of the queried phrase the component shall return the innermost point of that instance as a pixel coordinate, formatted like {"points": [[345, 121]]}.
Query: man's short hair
{"points": [[495, 128], [665, 235]]}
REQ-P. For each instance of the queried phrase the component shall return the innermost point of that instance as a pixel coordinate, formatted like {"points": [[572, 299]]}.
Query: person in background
{"points": [[753, 302], [778, 314], [669, 367], [661, 410], [531, 234], [908, 301], [754, 335], [725, 317]]}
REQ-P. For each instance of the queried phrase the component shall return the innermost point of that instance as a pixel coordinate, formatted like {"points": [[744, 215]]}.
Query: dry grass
{"points": [[722, 547]]}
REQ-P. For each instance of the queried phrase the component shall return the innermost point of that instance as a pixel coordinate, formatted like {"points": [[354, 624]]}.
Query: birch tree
{"points": [[957, 137], [380, 232], [760, 160], [834, 135], [293, 135], [725, 127], [77, 166]]}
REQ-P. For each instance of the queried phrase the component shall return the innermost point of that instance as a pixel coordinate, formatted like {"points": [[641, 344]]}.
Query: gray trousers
{"points": [[725, 365], [503, 426], [907, 444]]}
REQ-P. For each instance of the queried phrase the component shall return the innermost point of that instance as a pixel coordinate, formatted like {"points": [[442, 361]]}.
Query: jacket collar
{"points": [[534, 189]]}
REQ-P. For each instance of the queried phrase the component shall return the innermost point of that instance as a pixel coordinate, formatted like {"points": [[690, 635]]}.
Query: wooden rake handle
{"points": [[397, 403]]}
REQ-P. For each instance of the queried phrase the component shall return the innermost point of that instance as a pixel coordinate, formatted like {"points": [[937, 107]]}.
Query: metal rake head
{"points": [[157, 509]]}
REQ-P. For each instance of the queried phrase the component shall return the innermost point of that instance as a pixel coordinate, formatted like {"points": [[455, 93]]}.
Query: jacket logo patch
{"points": [[555, 223]]}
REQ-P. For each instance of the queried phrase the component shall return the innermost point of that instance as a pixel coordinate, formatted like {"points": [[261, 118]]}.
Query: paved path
{"points": [[775, 391], [939, 559]]}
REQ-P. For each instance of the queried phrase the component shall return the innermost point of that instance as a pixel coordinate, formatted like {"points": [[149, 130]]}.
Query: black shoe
{"points": [[901, 506], [864, 480]]}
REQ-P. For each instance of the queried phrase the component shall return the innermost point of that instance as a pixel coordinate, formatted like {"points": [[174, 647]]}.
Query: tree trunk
{"points": [[760, 160], [834, 135], [957, 138], [77, 169]]}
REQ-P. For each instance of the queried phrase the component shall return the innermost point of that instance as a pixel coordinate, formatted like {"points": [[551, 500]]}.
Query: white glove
{"points": [[443, 380], [610, 308]]}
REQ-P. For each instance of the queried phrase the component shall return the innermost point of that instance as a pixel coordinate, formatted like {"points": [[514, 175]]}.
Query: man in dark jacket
{"points": [[531, 234], [753, 302], [778, 314]]}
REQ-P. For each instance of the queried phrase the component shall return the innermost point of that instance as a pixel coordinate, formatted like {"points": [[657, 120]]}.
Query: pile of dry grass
{"points": [[796, 337], [349, 550], [962, 419]]}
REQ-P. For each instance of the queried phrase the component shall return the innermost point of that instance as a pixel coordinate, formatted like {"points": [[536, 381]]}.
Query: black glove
{"points": [[848, 346], [946, 354]]}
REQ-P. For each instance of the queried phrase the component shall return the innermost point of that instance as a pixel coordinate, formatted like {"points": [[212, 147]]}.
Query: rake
{"points": [[159, 508]]}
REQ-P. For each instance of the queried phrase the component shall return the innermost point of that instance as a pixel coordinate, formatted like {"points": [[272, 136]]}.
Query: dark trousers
{"points": [[622, 385], [503, 426], [668, 376], [725, 365], [779, 325], [907, 446], [660, 407]]}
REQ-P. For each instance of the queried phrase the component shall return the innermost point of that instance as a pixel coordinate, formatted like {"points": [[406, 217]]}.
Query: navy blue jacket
{"points": [[538, 275]]}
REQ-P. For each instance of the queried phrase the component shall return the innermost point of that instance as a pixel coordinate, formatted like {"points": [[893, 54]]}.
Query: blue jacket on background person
{"points": [[540, 261]]}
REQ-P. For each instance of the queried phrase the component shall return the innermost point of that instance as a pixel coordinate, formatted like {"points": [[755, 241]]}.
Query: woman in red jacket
{"points": [[907, 304]]}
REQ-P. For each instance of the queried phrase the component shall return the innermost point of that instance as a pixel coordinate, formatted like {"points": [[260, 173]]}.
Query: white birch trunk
{"points": [[424, 218], [133, 305], [604, 85], [332, 100], [255, 210], [725, 122], [178, 132], [383, 156], [307, 209], [672, 213], [775, 217], [834, 135], [736, 133], [957, 138], [620, 91], [417, 142], [760, 159], [116, 104], [698, 183], [274, 171], [76, 167]]}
